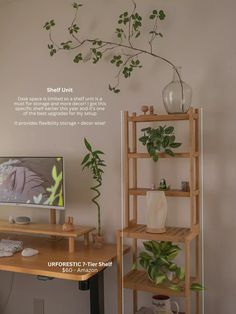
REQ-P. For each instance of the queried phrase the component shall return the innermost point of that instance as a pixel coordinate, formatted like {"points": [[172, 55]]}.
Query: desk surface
{"points": [[51, 250]]}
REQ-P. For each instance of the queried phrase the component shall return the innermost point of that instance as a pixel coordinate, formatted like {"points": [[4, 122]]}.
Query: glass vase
{"points": [[177, 97]]}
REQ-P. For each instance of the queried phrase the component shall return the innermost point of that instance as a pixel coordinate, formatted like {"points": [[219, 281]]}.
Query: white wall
{"points": [[199, 35]]}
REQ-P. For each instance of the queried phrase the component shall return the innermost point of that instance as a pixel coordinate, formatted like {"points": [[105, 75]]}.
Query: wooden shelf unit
{"points": [[138, 280]]}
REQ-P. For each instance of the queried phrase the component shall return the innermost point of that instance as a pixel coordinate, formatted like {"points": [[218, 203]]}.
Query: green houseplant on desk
{"points": [[93, 161]]}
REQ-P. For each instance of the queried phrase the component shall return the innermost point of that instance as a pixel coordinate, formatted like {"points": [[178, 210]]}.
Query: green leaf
{"points": [[148, 245], [54, 173], [180, 273], [88, 146], [197, 287], [169, 130], [161, 15], [166, 141], [98, 152], [169, 152], [160, 279], [172, 267], [175, 145], [146, 129], [86, 158], [156, 248], [175, 287]]}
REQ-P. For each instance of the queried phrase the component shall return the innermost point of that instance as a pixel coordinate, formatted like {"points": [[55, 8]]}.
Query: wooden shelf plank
{"points": [[158, 117], [177, 193], [44, 229], [173, 234], [138, 280], [161, 155]]}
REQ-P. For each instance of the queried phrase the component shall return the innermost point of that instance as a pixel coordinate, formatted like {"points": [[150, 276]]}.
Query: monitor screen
{"points": [[32, 181]]}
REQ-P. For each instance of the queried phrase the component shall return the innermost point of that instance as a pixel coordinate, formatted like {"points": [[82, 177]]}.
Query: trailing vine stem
{"points": [[129, 26], [95, 164]]}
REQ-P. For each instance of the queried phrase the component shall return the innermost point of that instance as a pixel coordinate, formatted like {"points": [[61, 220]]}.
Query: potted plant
{"points": [[93, 161], [158, 261], [160, 139]]}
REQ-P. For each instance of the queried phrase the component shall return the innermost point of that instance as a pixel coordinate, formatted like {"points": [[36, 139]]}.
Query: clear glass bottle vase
{"points": [[177, 97]]}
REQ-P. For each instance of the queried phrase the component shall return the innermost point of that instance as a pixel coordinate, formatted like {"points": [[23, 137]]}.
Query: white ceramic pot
{"points": [[162, 304], [156, 212]]}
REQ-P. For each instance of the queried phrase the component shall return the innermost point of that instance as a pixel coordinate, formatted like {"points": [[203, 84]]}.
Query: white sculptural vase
{"points": [[156, 212]]}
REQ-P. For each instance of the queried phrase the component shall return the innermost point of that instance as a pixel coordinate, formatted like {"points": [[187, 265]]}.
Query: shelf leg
{"points": [[71, 244], [119, 272], [187, 279]]}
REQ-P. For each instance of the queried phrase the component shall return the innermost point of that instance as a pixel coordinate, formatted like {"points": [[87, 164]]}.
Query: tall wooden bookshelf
{"points": [[137, 280]]}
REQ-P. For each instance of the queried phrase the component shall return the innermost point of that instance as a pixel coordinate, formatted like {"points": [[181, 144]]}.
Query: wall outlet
{"points": [[38, 306]]}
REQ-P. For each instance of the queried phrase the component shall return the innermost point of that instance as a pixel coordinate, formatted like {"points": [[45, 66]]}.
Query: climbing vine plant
{"points": [[123, 53]]}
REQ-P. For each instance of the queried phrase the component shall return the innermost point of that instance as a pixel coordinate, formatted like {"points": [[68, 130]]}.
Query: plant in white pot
{"points": [[93, 161]]}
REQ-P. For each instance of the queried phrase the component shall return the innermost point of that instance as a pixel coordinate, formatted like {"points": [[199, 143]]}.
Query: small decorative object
{"points": [[28, 252], [145, 310], [162, 304], [156, 212], [68, 225], [185, 186], [163, 186], [22, 220], [11, 220], [157, 260], [177, 95], [95, 164], [151, 110], [144, 109], [159, 140]]}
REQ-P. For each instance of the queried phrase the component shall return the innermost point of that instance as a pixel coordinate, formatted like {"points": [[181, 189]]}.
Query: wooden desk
{"points": [[91, 277]]}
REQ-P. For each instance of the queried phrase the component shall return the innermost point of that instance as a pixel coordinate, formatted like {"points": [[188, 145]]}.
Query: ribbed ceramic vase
{"points": [[156, 212]]}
